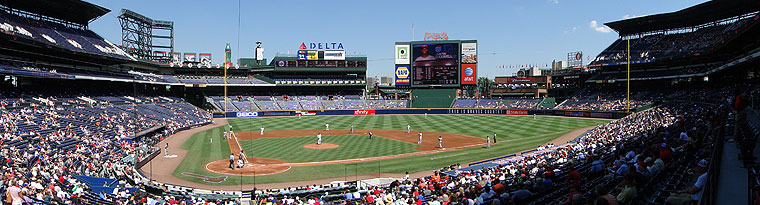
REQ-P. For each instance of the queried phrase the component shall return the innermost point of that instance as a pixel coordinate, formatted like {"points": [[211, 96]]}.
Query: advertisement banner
{"points": [[189, 57], [312, 55], [364, 112], [247, 114], [402, 74], [335, 55], [520, 80], [402, 54], [302, 55], [469, 52], [205, 59], [516, 112], [469, 74], [601, 114], [277, 113], [176, 57], [306, 113], [259, 54]]}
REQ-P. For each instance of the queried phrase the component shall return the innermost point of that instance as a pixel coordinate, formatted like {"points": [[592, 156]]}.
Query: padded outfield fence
{"points": [[420, 111]]}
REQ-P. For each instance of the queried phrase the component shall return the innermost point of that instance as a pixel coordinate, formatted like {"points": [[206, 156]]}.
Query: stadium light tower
{"points": [[138, 33]]}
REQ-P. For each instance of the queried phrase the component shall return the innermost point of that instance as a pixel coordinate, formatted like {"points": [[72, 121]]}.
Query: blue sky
{"points": [[508, 32]]}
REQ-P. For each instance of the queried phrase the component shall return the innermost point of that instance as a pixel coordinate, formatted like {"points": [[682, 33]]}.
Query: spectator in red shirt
{"points": [[574, 177], [665, 154]]}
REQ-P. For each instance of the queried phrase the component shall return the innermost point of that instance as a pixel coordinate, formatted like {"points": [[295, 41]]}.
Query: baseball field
{"points": [[289, 148]]}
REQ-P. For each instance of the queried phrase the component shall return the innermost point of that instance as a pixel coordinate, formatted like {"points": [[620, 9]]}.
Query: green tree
{"points": [[484, 85]]}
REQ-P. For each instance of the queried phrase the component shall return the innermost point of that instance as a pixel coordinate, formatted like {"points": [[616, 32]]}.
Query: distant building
{"points": [[559, 65], [386, 80], [371, 82]]}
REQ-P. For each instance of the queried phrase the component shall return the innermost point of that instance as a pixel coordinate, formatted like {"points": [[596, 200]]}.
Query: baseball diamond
{"points": [[301, 103], [393, 149]]}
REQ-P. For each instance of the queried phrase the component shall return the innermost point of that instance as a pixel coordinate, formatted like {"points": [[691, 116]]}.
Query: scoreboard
{"points": [[435, 75], [446, 63]]}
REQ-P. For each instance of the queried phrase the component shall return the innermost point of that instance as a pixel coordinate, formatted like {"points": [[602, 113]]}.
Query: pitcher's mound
{"points": [[321, 146]]}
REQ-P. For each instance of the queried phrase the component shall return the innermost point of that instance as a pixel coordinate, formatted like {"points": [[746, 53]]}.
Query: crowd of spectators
{"points": [[591, 99], [44, 145], [700, 41], [501, 103], [620, 157]]}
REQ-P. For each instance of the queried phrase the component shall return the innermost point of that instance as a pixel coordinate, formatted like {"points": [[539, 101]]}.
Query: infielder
{"points": [[262, 131], [419, 138], [370, 134], [327, 127], [352, 129], [319, 138], [488, 138], [440, 141], [408, 129]]}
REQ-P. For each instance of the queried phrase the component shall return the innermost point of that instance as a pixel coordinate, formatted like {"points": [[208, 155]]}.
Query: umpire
{"points": [[232, 161]]}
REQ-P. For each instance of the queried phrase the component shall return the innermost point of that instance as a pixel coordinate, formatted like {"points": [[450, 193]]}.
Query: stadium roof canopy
{"points": [[75, 11], [693, 16]]}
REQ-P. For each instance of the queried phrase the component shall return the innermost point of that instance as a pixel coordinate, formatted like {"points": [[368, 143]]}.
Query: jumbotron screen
{"points": [[435, 64]]}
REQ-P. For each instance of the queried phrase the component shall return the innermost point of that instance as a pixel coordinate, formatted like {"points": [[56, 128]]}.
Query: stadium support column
{"points": [[628, 78]]}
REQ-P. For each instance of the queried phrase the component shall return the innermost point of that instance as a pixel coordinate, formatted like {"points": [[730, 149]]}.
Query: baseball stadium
{"points": [[663, 114]]}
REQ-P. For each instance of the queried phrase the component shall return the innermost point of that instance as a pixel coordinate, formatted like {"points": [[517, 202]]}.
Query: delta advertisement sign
{"points": [[469, 74], [402, 75], [364, 112], [321, 46]]}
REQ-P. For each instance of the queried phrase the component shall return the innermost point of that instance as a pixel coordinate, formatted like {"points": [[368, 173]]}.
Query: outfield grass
{"points": [[291, 149], [515, 133]]}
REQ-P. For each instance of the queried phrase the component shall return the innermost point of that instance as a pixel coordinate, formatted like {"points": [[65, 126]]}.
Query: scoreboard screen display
{"points": [[435, 64], [438, 75]]}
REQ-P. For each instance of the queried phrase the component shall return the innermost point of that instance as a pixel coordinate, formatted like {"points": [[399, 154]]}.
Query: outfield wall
{"points": [[420, 111]]}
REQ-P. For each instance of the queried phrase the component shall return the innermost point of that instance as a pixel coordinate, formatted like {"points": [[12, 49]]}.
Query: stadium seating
{"points": [[653, 47]]}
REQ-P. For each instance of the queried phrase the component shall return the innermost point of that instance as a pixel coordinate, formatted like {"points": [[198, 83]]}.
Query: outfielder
{"points": [[352, 129], [327, 127], [494, 137], [319, 138], [440, 141], [419, 138], [534, 116], [262, 131], [408, 129]]}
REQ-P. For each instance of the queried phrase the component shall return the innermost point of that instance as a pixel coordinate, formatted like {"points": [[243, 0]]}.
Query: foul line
{"points": [[453, 155]]}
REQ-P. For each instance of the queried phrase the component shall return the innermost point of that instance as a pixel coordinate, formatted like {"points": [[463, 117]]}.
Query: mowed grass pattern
{"points": [[351, 147], [515, 134]]}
